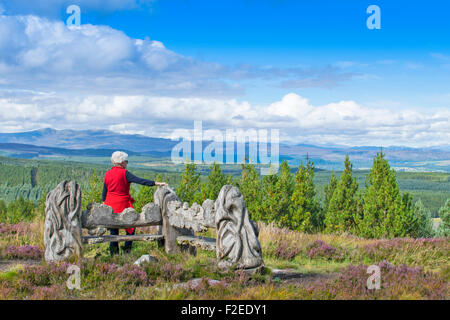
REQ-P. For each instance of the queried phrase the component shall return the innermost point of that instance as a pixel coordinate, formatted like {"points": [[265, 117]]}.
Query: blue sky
{"points": [[310, 68]]}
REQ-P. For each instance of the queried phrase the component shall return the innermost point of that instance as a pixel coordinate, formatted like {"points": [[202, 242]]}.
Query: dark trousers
{"points": [[114, 246]]}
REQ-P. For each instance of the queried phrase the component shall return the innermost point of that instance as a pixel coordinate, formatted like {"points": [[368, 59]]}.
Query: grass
{"points": [[331, 267]]}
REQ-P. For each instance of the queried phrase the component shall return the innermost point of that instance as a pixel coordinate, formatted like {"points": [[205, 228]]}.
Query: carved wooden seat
{"points": [[236, 246], [109, 238], [198, 242]]}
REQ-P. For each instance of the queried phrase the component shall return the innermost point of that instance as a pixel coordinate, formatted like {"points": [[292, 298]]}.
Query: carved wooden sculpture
{"points": [[236, 246], [237, 238], [62, 228]]}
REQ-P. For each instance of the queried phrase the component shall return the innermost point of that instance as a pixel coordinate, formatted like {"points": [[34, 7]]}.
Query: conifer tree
{"points": [[305, 214], [216, 180], [385, 213], [285, 186], [145, 195], [329, 190], [342, 209], [276, 194], [250, 187], [189, 187], [444, 226], [407, 223], [424, 228], [271, 196], [94, 191]]}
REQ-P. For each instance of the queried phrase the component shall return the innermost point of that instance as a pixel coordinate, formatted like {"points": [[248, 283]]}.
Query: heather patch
{"points": [[22, 252], [397, 282], [20, 228]]}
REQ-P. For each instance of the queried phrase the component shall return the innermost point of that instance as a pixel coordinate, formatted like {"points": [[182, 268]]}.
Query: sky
{"points": [[309, 68]]}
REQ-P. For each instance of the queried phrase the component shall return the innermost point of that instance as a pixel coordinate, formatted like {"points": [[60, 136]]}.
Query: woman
{"points": [[116, 193]]}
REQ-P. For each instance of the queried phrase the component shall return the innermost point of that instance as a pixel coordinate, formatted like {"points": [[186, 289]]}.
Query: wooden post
{"points": [[162, 197]]}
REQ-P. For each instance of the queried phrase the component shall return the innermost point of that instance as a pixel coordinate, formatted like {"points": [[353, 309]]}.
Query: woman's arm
{"points": [[105, 190], [131, 178]]}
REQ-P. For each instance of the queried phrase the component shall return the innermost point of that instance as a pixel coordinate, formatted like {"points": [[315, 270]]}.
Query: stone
{"points": [[62, 226], [146, 258], [237, 240], [196, 283]]}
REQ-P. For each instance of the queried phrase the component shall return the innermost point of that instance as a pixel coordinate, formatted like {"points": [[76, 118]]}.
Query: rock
{"points": [[146, 258], [194, 284]]}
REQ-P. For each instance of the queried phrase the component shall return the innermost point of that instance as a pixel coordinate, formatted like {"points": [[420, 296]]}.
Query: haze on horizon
{"points": [[312, 70]]}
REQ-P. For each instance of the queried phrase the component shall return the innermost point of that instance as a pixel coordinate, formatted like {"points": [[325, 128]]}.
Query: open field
{"points": [[299, 266]]}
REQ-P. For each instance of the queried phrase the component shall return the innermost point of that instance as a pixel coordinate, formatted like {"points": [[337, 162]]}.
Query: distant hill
{"points": [[91, 139], [101, 143]]}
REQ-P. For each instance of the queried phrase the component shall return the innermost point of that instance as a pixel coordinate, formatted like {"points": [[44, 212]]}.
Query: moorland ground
{"points": [[298, 266]]}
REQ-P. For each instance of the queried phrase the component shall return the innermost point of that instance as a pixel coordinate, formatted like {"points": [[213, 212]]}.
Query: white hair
{"points": [[119, 157]]}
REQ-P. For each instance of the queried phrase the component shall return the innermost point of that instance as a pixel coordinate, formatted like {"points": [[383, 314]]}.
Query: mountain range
{"points": [[101, 143]]}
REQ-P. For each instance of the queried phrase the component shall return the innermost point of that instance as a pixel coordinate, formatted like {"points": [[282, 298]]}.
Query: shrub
{"points": [[397, 282], [320, 249], [23, 252], [285, 250]]}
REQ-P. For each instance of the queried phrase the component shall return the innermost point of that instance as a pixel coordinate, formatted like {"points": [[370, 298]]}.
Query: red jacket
{"points": [[118, 196]]}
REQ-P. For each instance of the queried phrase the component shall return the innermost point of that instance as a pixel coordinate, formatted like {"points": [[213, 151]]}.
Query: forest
{"points": [[376, 203]]}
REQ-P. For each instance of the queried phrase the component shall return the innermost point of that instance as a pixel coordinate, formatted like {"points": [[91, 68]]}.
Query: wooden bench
{"points": [[236, 246]]}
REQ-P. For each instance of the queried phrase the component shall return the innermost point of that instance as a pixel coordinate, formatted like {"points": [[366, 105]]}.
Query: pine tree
{"points": [[250, 187], [444, 226], [424, 227], [276, 194], [271, 195], [216, 180], [342, 210], [189, 187], [94, 190], [145, 195], [329, 190], [385, 213], [285, 187], [305, 214]]}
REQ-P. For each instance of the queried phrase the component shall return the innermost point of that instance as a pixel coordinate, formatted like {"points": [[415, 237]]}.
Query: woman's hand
{"points": [[161, 184]]}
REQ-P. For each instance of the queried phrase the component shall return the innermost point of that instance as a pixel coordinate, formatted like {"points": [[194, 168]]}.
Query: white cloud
{"points": [[98, 77], [343, 122], [41, 54]]}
